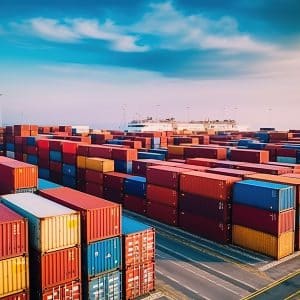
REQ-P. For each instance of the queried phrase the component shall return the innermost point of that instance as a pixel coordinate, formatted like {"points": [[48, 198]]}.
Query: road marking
{"points": [[184, 286], [292, 296], [208, 267], [203, 277], [272, 285], [278, 262]]}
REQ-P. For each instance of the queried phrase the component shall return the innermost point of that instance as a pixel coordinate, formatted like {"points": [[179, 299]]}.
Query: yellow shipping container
{"points": [[176, 150], [276, 247], [81, 162], [100, 164], [14, 275]]}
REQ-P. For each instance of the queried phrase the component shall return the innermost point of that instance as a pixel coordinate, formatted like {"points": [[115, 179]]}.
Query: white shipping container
{"points": [[51, 225]]}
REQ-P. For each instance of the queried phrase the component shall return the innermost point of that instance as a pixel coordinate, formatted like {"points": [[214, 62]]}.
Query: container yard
{"points": [[127, 215]]}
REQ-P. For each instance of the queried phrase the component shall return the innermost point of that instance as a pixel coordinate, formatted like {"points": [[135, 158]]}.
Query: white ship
{"points": [[172, 125]]}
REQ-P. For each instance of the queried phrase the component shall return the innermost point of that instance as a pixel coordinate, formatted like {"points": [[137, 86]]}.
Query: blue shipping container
{"points": [[287, 160], [244, 142], [69, 181], [46, 185], [136, 186], [44, 173], [30, 141], [32, 159], [55, 156], [266, 195], [10, 147], [262, 136], [257, 146], [107, 286], [130, 226], [123, 166], [151, 155], [69, 170], [102, 256]]}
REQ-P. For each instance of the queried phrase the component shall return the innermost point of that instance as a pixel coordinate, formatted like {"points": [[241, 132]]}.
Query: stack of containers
{"points": [[54, 237], [2, 148], [101, 241], [17, 176], [14, 264], [287, 181], [43, 146], [205, 203], [123, 158], [138, 242], [135, 194], [270, 230], [9, 141], [55, 163], [162, 193], [252, 156], [113, 186]]}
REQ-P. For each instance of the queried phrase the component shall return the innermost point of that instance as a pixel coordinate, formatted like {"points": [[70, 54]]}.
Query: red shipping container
{"points": [[191, 167], [16, 175], [263, 220], [115, 180], [162, 195], [14, 234], [44, 154], [19, 296], [252, 156], [55, 145], [205, 152], [94, 176], [217, 210], [228, 164], [68, 291], [43, 163], [162, 213], [81, 174], [138, 247], [100, 219], [294, 167], [208, 185], [100, 151], [32, 150], [133, 144], [136, 204], [69, 158], [205, 227], [165, 176], [205, 162], [139, 280], [19, 156], [69, 147], [54, 268], [124, 154], [95, 189], [139, 167], [230, 172], [83, 150], [286, 152], [55, 177], [264, 168], [55, 166], [113, 195], [43, 144]]}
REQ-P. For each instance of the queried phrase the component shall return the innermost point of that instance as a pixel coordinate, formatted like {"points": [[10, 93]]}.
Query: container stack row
{"points": [[2, 142], [14, 262], [54, 245]]}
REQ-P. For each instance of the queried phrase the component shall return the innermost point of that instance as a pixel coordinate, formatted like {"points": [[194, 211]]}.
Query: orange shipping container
{"points": [[208, 185]]}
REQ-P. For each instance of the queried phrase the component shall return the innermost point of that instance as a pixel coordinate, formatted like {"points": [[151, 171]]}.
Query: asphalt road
{"points": [[189, 267]]}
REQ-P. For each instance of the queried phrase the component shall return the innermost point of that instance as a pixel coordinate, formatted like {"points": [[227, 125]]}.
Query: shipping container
{"points": [[139, 167], [15, 272], [138, 242], [94, 189], [51, 226], [94, 176], [124, 154], [16, 176], [230, 172], [205, 152], [263, 168], [205, 227], [45, 184], [103, 256], [14, 234], [205, 162], [276, 247], [104, 287], [136, 186], [99, 164], [54, 268], [136, 204], [139, 280], [162, 195], [162, 213], [18, 296], [208, 185], [217, 210], [252, 156], [165, 176], [115, 180], [266, 195], [100, 218], [67, 291], [274, 223]]}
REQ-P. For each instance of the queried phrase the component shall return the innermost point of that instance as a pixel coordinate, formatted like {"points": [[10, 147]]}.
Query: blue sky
{"points": [[220, 58]]}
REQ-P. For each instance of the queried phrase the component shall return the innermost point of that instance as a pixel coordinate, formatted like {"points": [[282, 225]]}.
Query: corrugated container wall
{"points": [[19, 296], [51, 226]]}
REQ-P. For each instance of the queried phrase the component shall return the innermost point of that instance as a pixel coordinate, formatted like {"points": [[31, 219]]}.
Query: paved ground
{"points": [[189, 267]]}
